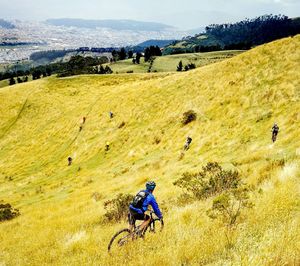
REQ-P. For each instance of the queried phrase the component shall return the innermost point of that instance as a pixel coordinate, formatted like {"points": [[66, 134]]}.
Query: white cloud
{"points": [[187, 14]]}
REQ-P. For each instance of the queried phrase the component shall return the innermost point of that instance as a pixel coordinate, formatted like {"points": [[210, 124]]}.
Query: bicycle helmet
{"points": [[150, 185]]}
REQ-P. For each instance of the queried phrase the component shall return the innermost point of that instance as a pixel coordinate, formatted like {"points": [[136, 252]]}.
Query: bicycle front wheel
{"points": [[156, 225], [120, 238]]}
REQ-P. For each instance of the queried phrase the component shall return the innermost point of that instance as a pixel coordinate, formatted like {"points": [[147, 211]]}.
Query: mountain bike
{"points": [[124, 236]]}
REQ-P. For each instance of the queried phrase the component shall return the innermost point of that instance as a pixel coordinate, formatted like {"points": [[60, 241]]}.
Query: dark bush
{"points": [[121, 125], [180, 66], [108, 70], [12, 81], [191, 66], [156, 140], [117, 208], [188, 117], [7, 212], [212, 180]]}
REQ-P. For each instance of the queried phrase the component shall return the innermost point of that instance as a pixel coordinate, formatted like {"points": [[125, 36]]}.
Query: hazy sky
{"points": [[185, 14]]}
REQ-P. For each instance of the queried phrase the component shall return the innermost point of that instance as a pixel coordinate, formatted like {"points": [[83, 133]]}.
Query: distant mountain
{"points": [[159, 43], [6, 25], [111, 24]]}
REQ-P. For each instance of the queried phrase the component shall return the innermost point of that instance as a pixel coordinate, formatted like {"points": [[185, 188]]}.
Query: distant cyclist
{"points": [[140, 204], [275, 130], [70, 160], [107, 146], [82, 123], [187, 143]]}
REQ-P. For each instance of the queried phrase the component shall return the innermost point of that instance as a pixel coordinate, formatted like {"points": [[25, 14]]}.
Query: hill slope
{"points": [[169, 63], [240, 35], [236, 100]]}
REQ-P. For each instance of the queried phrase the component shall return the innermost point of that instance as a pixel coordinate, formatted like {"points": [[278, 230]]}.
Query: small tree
{"points": [[48, 71], [138, 58], [12, 81], [180, 66], [115, 55], [228, 205], [192, 66], [36, 74], [130, 54], [189, 66], [108, 70], [101, 70], [117, 208], [212, 180], [122, 54], [147, 54]]}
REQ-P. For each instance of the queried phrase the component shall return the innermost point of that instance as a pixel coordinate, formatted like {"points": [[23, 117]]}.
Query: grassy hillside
{"points": [[169, 63], [236, 100], [162, 64], [4, 83], [187, 44], [240, 35]]}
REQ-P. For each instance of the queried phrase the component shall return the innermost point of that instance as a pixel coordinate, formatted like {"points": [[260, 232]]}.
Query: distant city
{"points": [[19, 39]]}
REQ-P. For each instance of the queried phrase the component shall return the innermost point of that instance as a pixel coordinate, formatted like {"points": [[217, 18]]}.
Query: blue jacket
{"points": [[149, 200]]}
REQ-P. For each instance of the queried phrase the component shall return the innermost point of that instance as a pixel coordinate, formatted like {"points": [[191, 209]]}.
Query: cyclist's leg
{"points": [[131, 221], [146, 222], [186, 147], [274, 135], [134, 216]]}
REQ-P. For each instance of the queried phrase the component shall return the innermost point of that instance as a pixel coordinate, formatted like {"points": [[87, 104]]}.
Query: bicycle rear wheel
{"points": [[120, 238]]}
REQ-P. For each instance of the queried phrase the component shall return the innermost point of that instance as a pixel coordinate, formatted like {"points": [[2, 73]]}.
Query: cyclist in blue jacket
{"points": [[140, 204]]}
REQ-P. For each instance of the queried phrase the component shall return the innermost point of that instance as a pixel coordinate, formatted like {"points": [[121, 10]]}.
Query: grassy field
{"points": [[169, 63], [4, 83], [164, 63], [237, 101]]}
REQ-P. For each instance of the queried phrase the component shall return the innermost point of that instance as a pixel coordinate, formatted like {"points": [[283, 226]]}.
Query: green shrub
{"points": [[188, 117], [212, 180], [7, 212], [228, 205], [117, 208]]}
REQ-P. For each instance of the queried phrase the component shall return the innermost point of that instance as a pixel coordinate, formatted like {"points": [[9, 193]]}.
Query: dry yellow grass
{"points": [[237, 101]]}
